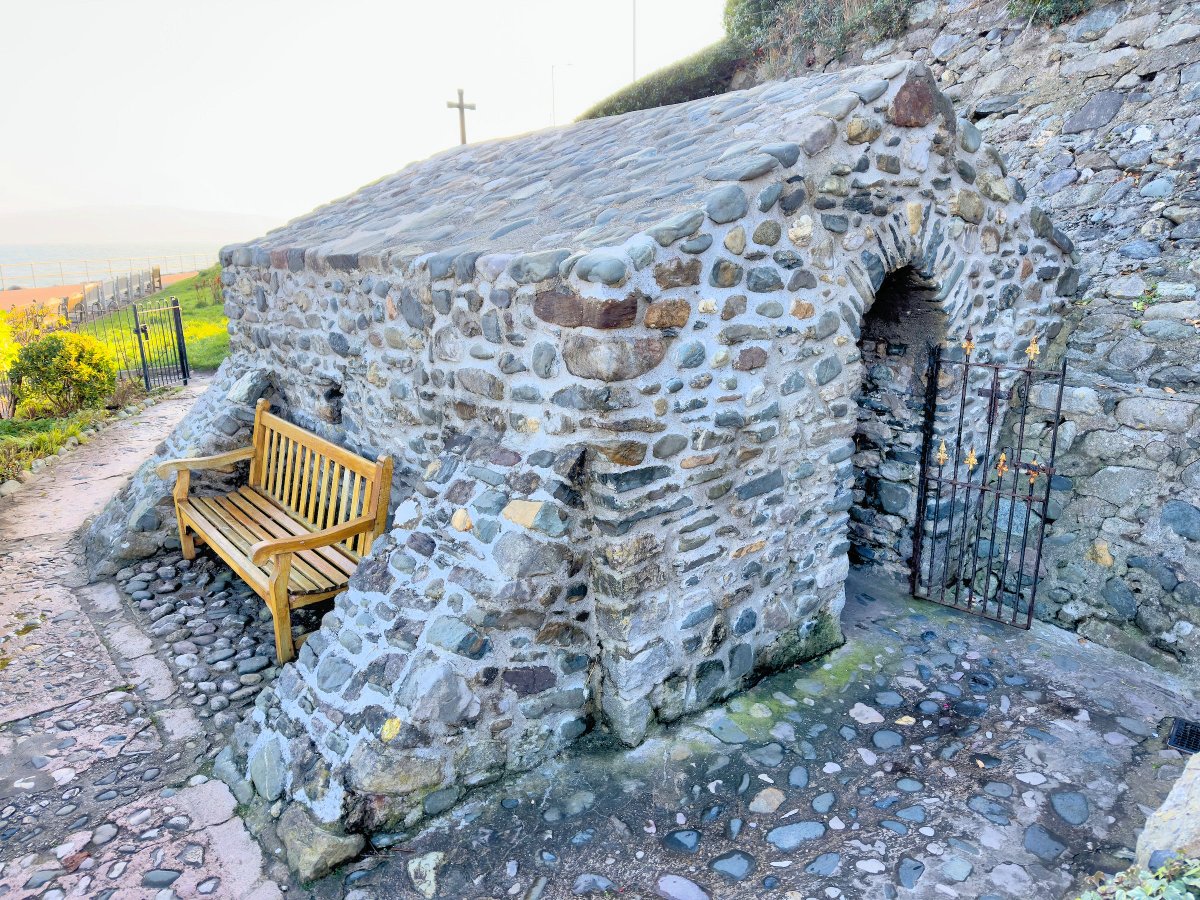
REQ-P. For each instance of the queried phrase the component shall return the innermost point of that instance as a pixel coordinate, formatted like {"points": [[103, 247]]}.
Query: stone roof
{"points": [[590, 184]]}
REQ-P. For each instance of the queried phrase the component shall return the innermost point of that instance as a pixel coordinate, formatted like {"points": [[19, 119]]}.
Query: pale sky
{"points": [[272, 107]]}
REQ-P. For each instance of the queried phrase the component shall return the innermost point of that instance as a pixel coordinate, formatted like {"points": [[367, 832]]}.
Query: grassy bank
{"points": [[702, 74], [23, 441], [205, 328]]}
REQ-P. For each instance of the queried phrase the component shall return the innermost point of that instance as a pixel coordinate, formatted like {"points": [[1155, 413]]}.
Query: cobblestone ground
{"points": [[101, 791], [935, 755]]}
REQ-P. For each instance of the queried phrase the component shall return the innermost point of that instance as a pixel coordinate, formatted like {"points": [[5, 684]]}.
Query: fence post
{"points": [[177, 315], [137, 329]]}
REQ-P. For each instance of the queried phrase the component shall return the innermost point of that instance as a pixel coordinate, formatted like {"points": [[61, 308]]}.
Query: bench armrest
{"points": [[219, 461], [264, 550]]}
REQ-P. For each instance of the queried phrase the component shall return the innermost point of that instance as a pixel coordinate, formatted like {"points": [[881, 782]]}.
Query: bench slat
{"points": [[224, 547], [311, 568], [228, 549], [282, 522], [340, 455], [243, 534], [335, 554]]}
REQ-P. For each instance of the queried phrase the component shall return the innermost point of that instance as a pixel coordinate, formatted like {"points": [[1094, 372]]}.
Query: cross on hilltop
{"points": [[462, 114]]}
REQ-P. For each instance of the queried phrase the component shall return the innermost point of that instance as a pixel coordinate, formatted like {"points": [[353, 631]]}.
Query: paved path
{"points": [[99, 791]]}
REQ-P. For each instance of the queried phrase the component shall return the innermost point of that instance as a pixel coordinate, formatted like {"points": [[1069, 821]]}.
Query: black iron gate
{"points": [[162, 352], [991, 432]]}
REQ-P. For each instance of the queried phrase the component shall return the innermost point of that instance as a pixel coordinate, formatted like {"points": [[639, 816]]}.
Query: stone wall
{"points": [[624, 472], [1174, 828], [1101, 116]]}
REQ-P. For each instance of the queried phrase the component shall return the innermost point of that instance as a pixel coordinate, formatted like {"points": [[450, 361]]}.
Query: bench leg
{"points": [[281, 611], [186, 542]]}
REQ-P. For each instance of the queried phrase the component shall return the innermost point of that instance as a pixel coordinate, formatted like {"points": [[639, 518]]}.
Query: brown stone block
{"points": [[668, 313], [750, 358], [802, 309], [693, 462], [566, 308], [914, 105], [623, 453]]}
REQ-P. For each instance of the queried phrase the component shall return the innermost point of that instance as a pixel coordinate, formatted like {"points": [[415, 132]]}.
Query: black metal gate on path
{"points": [[161, 347], [991, 433], [146, 339]]}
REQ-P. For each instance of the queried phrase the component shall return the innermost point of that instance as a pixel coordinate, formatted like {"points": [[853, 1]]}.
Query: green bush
{"points": [[63, 372], [748, 21], [8, 346], [1049, 12], [702, 74], [1177, 880], [831, 25]]}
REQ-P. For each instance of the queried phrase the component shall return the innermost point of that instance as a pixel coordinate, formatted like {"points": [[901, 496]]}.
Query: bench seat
{"points": [[297, 529], [233, 523]]}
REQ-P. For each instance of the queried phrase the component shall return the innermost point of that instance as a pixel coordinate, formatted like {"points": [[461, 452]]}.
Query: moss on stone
{"points": [[797, 645]]}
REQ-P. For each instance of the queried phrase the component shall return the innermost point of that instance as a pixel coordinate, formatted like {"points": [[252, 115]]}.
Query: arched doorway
{"points": [[899, 330]]}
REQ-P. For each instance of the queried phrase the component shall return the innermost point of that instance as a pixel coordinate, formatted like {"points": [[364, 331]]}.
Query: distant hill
{"points": [[115, 224]]}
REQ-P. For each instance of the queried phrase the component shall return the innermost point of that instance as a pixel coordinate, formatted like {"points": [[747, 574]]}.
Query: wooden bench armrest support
{"points": [[219, 461], [265, 550]]}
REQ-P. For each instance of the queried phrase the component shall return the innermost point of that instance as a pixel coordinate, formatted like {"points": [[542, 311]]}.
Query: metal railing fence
{"points": [[52, 272]]}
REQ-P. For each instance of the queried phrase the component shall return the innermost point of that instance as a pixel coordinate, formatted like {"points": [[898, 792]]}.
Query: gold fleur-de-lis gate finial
{"points": [[1033, 351], [1002, 465], [969, 344], [942, 456], [1034, 471], [971, 460]]}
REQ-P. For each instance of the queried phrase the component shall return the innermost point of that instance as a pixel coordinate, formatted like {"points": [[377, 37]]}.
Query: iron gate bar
{"points": [[1037, 565], [984, 468], [181, 344], [137, 330], [1016, 468], [933, 370], [977, 498]]}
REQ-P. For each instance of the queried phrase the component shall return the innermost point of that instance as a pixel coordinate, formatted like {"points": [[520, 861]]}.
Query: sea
{"points": [[43, 265]]}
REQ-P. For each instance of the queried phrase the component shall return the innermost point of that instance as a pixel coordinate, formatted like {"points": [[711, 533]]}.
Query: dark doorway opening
{"points": [[898, 332]]}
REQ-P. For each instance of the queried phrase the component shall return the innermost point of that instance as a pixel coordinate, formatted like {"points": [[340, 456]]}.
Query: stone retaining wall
{"points": [[1101, 118]]}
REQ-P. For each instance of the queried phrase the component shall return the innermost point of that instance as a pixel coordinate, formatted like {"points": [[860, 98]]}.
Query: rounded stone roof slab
{"points": [[601, 182]]}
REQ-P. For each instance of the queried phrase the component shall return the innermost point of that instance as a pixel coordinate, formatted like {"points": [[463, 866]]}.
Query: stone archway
{"points": [[899, 330]]}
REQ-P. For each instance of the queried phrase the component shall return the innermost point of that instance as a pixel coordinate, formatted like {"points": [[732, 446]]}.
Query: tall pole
{"points": [[635, 40]]}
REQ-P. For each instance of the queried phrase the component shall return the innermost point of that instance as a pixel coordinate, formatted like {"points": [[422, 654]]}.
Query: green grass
{"points": [[702, 74], [22, 441], [1049, 12], [205, 328]]}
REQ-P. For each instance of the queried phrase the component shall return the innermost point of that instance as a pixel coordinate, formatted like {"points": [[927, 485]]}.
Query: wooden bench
{"points": [[297, 530]]}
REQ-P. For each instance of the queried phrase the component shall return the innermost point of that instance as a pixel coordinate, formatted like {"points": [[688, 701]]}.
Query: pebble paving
{"points": [[1013, 765]]}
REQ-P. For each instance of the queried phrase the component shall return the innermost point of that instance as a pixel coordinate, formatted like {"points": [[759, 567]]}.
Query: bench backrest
{"points": [[326, 485]]}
